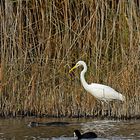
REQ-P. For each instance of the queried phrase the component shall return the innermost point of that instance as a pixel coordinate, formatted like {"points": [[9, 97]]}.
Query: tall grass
{"points": [[41, 40]]}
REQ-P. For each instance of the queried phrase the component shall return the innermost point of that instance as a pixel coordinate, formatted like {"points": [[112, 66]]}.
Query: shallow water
{"points": [[18, 129]]}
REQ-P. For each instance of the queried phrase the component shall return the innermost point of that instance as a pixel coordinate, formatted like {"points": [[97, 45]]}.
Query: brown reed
{"points": [[40, 42]]}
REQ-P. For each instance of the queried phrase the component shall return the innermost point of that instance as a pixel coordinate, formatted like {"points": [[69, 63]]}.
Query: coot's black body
{"points": [[88, 135]]}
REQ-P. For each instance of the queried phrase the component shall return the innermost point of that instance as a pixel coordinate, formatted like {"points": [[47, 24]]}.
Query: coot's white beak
{"points": [[74, 134]]}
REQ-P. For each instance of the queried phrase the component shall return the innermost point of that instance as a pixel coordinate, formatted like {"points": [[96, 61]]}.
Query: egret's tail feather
{"points": [[122, 97]]}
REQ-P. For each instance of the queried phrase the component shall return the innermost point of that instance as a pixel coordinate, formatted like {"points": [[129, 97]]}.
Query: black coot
{"points": [[88, 135]]}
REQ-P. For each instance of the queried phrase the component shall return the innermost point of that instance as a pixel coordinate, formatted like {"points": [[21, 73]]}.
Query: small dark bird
{"points": [[88, 135]]}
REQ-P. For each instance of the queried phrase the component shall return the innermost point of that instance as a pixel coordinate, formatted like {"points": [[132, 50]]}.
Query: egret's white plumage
{"points": [[99, 91]]}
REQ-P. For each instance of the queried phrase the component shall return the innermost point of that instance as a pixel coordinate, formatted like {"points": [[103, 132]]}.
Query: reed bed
{"points": [[42, 39]]}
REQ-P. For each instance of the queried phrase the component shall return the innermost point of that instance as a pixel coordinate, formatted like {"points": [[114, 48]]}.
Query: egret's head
{"points": [[79, 63]]}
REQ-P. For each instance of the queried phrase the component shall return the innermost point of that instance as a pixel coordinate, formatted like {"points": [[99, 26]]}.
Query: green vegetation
{"points": [[40, 42]]}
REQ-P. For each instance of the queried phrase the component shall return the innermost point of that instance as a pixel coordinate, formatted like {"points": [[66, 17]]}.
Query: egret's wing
{"points": [[103, 92]]}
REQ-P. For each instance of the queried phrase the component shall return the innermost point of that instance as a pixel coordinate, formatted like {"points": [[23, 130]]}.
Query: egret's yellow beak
{"points": [[72, 68]]}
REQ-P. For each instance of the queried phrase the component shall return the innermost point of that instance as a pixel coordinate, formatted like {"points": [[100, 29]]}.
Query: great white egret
{"points": [[87, 135], [99, 91]]}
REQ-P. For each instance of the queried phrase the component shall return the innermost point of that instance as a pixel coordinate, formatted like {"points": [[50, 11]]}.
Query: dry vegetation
{"points": [[42, 39]]}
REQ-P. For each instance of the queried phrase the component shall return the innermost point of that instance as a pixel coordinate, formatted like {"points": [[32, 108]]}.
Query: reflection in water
{"points": [[105, 129]]}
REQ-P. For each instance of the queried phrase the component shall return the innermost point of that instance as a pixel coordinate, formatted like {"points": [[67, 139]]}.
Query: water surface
{"points": [[18, 129]]}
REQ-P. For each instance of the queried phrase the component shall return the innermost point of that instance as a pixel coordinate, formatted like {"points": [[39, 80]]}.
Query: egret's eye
{"points": [[77, 64]]}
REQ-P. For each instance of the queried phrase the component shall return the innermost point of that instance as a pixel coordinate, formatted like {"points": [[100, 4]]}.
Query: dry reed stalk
{"points": [[41, 40]]}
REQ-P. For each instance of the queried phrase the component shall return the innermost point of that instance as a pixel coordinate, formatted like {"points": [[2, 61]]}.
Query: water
{"points": [[17, 129]]}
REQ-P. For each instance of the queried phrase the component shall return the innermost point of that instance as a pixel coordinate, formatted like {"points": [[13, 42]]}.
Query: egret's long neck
{"points": [[82, 77]]}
